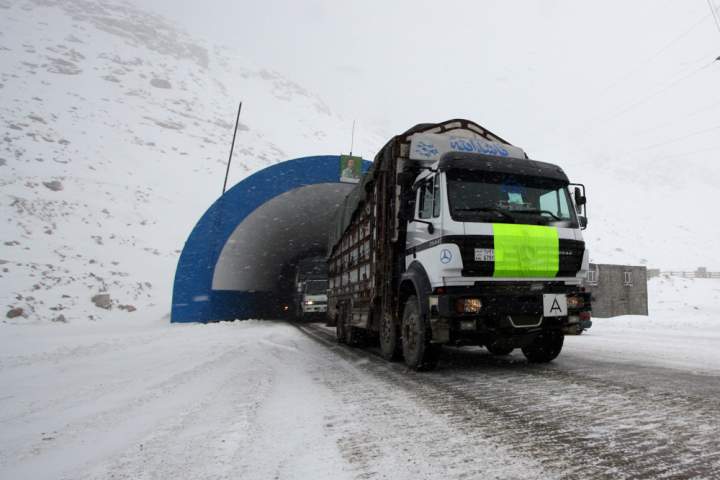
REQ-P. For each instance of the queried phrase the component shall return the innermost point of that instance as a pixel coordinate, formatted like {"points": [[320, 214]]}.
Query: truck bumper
{"points": [[516, 317], [310, 309]]}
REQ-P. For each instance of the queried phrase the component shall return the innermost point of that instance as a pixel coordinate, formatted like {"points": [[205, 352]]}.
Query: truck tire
{"points": [[545, 348], [354, 336], [340, 324], [419, 353], [389, 339]]}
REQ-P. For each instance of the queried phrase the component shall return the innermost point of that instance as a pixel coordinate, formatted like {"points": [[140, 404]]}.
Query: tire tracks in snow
{"points": [[571, 423], [391, 426]]}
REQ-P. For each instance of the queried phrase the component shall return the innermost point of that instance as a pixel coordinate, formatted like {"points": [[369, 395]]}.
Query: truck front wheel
{"points": [[545, 348], [389, 341], [419, 353]]}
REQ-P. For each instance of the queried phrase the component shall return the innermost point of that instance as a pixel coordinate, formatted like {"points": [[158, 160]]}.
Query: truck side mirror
{"points": [[583, 222], [407, 207], [430, 228], [580, 199], [405, 179]]}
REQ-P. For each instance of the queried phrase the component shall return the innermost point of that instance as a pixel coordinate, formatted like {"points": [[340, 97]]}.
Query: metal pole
{"points": [[232, 147], [352, 138]]}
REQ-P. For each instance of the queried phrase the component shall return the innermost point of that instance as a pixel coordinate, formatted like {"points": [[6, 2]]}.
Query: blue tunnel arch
{"points": [[193, 298]]}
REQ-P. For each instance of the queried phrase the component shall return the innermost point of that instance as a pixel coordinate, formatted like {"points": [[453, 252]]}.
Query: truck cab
{"points": [[456, 237]]}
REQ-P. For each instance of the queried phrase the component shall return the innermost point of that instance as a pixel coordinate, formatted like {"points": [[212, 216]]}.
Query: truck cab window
{"points": [[555, 203], [436, 197], [504, 198], [425, 207]]}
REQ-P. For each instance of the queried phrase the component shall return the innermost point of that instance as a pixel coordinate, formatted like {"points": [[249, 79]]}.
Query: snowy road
{"points": [[270, 400]]}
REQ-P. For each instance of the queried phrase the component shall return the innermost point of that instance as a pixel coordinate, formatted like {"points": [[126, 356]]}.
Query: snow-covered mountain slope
{"points": [[115, 133], [657, 213]]}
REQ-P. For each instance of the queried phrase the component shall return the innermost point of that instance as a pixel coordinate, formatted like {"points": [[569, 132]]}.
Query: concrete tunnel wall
{"points": [[235, 253]]}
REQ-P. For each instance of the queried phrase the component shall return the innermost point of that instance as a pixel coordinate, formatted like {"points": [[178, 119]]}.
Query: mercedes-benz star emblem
{"points": [[445, 255]]}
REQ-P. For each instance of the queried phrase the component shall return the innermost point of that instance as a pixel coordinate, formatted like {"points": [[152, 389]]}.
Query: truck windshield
{"points": [[316, 287], [503, 198]]}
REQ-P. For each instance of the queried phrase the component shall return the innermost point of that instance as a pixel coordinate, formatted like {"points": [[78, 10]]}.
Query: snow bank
{"points": [[681, 331]]}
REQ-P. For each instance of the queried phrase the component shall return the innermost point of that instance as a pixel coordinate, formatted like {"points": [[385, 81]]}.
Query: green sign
{"points": [[350, 168], [526, 250]]}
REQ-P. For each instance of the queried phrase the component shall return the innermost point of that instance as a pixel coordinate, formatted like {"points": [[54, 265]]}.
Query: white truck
{"points": [[313, 304], [455, 237], [311, 289]]}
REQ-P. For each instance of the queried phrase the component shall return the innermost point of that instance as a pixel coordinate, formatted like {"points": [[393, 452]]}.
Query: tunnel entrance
{"points": [[263, 251], [240, 258]]}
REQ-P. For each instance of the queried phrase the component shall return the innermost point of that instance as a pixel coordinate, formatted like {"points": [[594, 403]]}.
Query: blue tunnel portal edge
{"points": [[193, 299]]}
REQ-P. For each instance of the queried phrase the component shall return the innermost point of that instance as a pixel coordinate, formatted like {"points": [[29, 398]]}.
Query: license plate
{"points": [[484, 255], [554, 305]]}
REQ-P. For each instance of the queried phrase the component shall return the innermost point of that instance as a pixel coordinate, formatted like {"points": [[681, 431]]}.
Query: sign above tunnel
{"points": [[350, 168]]}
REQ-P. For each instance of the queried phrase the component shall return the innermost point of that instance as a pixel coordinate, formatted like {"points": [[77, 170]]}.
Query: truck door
{"points": [[427, 212]]}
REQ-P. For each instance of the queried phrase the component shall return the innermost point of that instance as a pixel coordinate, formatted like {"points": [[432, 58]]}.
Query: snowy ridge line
{"points": [[693, 274]]}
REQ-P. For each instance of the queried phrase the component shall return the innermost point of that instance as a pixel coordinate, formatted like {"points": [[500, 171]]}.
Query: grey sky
{"points": [[539, 72]]}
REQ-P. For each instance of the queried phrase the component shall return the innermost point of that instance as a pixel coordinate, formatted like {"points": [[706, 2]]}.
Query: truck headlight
{"points": [[575, 302], [308, 302], [468, 305]]}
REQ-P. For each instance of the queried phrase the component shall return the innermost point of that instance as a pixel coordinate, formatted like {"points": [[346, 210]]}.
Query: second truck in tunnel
{"points": [[455, 237]]}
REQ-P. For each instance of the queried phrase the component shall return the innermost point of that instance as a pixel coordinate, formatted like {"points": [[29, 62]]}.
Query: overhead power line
{"points": [[640, 64], [677, 139], [654, 94], [687, 154], [675, 119], [715, 14]]}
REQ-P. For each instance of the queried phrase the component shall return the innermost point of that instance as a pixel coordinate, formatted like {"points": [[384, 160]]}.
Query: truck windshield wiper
{"points": [[499, 211], [538, 211]]}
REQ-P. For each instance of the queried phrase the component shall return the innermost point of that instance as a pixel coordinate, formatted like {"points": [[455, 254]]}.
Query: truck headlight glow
{"points": [[308, 302], [468, 305], [575, 302]]}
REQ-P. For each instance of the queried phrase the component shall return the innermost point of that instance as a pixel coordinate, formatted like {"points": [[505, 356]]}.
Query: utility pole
{"points": [[232, 147], [352, 138]]}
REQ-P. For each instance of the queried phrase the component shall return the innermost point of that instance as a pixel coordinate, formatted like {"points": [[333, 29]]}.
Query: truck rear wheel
{"points": [[354, 336], [389, 341], [419, 353], [545, 348], [340, 324]]}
